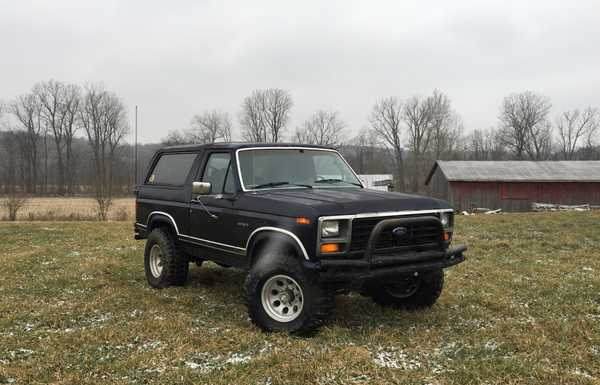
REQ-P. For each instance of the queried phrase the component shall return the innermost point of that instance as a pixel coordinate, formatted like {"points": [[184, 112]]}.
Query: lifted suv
{"points": [[299, 221]]}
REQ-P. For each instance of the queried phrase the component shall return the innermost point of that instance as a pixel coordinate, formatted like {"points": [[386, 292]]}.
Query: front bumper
{"points": [[353, 272], [386, 265]]}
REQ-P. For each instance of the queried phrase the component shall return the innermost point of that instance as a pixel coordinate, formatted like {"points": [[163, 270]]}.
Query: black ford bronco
{"points": [[299, 221]]}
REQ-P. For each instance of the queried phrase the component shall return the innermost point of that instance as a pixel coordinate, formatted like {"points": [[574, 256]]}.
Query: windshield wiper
{"points": [[275, 184], [335, 180]]}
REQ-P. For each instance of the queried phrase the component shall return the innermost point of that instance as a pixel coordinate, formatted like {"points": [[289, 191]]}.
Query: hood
{"points": [[342, 201]]}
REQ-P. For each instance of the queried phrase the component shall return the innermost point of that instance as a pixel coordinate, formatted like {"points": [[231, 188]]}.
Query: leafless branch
{"points": [[323, 128], [525, 129], [265, 115]]}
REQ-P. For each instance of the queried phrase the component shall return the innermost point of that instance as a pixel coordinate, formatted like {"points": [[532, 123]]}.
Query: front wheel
{"points": [[283, 297], [410, 292]]}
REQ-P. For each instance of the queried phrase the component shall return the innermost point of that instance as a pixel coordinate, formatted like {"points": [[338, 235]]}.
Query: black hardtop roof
{"points": [[234, 146]]}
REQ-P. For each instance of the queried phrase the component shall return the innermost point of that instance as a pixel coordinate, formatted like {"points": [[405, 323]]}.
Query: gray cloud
{"points": [[175, 59]]}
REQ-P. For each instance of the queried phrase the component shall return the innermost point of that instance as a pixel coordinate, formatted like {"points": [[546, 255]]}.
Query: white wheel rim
{"points": [[282, 298], [156, 261]]}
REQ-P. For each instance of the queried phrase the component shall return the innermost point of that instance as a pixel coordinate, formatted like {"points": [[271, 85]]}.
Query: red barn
{"points": [[514, 185]]}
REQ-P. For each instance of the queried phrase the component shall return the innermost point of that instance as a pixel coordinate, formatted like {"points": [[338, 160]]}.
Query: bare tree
{"points": [[366, 155], [104, 120], [254, 126], [540, 146], [176, 137], [10, 167], [592, 135], [446, 137], [13, 202], [573, 127], [484, 145], [323, 128], [525, 129], [427, 119], [386, 119], [59, 103], [26, 109], [210, 127], [265, 115]]}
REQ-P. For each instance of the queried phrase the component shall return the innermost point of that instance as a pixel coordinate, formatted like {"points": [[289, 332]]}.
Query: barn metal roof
{"points": [[518, 171]]}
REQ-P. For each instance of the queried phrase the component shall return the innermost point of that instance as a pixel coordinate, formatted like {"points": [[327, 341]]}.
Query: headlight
{"points": [[445, 219], [330, 229]]}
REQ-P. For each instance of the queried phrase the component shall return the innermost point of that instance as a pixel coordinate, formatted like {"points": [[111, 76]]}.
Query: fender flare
{"points": [[161, 217], [262, 232]]}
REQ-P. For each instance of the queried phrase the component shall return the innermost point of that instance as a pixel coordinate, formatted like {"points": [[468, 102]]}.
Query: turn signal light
{"points": [[446, 236], [303, 221], [330, 247]]}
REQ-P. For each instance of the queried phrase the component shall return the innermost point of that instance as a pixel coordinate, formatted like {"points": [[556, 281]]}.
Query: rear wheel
{"points": [[282, 296], [410, 292], [164, 264]]}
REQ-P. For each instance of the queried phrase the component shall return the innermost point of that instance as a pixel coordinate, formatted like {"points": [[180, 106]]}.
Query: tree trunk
{"points": [[399, 172]]}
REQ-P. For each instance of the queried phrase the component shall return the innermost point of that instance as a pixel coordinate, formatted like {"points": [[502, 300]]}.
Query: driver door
{"points": [[211, 215]]}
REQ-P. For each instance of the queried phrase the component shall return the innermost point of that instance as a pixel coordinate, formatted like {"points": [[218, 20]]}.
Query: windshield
{"points": [[277, 168]]}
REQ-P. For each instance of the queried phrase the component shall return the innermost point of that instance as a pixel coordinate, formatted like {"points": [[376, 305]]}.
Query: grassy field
{"points": [[71, 209], [524, 309]]}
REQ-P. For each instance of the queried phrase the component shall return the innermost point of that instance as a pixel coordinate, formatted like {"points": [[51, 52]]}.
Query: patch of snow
{"points": [[361, 378], [101, 318], [491, 345], [203, 367], [268, 346], [20, 352], [582, 373], [192, 365], [154, 370], [238, 358], [328, 378], [205, 362], [396, 360], [149, 346]]}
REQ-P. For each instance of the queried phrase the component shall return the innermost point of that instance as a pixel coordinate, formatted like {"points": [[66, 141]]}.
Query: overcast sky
{"points": [[178, 58]]}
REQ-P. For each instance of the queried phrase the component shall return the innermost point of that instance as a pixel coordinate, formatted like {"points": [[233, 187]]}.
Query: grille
{"points": [[420, 236]]}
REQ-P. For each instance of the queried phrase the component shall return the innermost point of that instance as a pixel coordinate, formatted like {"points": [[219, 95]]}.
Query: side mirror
{"points": [[201, 188]]}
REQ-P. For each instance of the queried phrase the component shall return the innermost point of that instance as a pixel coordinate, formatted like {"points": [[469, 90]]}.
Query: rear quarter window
{"points": [[171, 169]]}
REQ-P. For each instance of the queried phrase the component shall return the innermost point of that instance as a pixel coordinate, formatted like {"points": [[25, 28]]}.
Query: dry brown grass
{"points": [[72, 209], [523, 309]]}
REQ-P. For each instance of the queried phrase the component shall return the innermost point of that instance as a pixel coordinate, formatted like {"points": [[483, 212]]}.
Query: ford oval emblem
{"points": [[399, 233]]}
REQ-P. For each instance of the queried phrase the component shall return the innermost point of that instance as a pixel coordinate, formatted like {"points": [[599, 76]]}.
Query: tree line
{"points": [[405, 136], [45, 151], [66, 139]]}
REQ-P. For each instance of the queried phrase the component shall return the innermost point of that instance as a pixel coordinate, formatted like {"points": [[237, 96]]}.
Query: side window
{"points": [[216, 171], [171, 169]]}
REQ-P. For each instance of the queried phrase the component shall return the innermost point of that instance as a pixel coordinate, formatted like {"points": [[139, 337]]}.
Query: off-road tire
{"points": [[175, 264], [317, 302], [429, 290]]}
